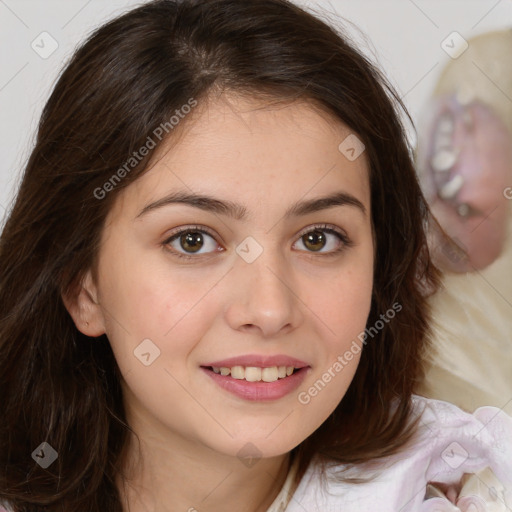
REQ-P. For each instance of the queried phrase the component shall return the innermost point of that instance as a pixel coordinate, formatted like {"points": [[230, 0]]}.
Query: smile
{"points": [[257, 384], [254, 373]]}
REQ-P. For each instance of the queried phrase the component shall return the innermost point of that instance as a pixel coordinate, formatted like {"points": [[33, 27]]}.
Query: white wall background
{"points": [[404, 35]]}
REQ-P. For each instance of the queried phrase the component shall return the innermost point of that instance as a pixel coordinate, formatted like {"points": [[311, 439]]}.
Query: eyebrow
{"points": [[239, 212]]}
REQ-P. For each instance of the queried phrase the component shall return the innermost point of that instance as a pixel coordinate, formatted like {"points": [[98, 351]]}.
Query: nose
{"points": [[265, 298]]}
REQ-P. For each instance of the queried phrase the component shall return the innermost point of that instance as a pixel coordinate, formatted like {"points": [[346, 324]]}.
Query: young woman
{"points": [[214, 282]]}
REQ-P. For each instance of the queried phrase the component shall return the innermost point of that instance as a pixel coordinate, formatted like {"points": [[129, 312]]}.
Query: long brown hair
{"points": [[121, 85]]}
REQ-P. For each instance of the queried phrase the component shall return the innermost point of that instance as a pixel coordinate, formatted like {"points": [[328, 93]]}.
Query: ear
{"points": [[82, 304]]}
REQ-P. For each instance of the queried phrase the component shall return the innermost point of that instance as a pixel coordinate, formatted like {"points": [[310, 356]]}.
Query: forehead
{"points": [[241, 148]]}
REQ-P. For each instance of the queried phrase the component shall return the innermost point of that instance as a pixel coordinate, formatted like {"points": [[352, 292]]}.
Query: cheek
{"points": [[347, 299], [349, 302], [346, 308], [339, 353], [156, 322], [343, 306], [141, 301]]}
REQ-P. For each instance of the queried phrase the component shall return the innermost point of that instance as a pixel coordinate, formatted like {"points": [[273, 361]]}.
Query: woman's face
{"points": [[258, 280]]}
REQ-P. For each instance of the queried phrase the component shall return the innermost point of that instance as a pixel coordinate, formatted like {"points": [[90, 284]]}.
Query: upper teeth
{"points": [[255, 374]]}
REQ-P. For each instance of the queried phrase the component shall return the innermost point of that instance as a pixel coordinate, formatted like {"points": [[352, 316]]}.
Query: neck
{"points": [[184, 476]]}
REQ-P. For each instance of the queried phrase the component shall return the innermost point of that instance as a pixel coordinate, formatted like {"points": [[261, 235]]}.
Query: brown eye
{"points": [[314, 240], [192, 241], [324, 240], [188, 242]]}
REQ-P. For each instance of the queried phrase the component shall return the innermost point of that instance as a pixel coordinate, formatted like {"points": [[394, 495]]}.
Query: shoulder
{"points": [[451, 449]]}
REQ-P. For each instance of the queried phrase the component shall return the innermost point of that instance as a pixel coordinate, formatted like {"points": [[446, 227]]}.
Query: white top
{"points": [[468, 457]]}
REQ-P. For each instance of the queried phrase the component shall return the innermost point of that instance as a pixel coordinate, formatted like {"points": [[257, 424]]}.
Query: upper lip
{"points": [[259, 361]]}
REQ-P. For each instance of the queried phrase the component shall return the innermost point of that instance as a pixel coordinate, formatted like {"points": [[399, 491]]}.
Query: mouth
{"points": [[258, 383], [254, 373]]}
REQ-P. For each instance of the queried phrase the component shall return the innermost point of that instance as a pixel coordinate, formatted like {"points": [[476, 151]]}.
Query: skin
{"points": [[291, 300]]}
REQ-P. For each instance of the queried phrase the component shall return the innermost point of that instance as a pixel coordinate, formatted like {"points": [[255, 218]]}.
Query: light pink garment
{"points": [[468, 457], [456, 462]]}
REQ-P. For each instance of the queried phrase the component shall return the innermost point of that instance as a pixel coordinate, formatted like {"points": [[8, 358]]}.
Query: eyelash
{"points": [[327, 228]]}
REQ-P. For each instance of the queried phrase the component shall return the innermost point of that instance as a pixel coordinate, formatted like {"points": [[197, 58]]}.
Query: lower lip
{"points": [[259, 391]]}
